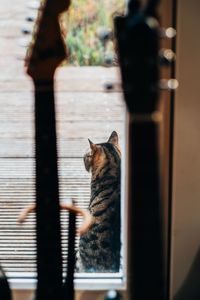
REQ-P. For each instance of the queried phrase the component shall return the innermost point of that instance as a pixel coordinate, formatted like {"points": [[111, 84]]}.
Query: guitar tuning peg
{"points": [[31, 18], [168, 84], [108, 60], [169, 32], [112, 295], [108, 86], [166, 56], [26, 31], [104, 34], [112, 87], [27, 28]]}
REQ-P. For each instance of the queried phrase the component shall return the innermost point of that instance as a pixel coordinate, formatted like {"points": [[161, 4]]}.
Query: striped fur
{"points": [[99, 248]]}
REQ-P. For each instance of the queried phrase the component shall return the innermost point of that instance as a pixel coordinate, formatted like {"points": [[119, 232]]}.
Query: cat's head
{"points": [[100, 155]]}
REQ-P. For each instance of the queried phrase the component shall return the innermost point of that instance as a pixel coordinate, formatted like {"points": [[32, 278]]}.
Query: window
{"points": [[85, 109], [81, 114]]}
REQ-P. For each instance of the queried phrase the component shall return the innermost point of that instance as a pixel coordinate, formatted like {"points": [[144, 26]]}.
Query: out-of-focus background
{"points": [[89, 27], [101, 112]]}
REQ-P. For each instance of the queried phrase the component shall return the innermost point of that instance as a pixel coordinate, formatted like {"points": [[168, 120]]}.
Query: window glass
{"points": [[86, 108], [89, 31]]}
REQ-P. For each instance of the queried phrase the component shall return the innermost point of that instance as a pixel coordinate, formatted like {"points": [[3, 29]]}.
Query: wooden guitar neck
{"points": [[138, 45], [43, 57]]}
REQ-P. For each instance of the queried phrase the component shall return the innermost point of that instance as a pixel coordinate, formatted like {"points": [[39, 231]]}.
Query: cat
{"points": [[99, 247]]}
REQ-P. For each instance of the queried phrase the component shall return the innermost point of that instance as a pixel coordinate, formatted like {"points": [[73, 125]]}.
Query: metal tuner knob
{"points": [[168, 84], [166, 57], [168, 33], [113, 295]]}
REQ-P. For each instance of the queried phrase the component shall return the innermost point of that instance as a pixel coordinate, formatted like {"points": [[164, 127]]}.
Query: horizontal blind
{"points": [[17, 242], [80, 116]]}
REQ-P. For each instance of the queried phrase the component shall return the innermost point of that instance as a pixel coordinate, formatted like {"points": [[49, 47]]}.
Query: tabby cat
{"points": [[99, 247]]}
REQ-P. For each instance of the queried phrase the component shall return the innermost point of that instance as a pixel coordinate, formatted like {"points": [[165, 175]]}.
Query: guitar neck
{"points": [[49, 262], [138, 40], [43, 57], [5, 292], [146, 254], [69, 279]]}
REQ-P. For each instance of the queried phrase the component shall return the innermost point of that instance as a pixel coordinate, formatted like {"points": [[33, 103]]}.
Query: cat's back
{"points": [[99, 248]]}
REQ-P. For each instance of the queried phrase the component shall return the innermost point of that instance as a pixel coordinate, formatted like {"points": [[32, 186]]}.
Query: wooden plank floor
{"points": [[84, 110]]}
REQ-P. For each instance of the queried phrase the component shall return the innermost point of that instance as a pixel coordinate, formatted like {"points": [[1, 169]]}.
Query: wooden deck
{"points": [[84, 110]]}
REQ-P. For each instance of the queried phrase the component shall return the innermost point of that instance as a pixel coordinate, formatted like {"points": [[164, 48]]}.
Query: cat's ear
{"points": [[113, 139], [92, 145]]}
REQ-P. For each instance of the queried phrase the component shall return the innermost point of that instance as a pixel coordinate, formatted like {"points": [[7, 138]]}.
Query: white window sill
{"points": [[83, 281]]}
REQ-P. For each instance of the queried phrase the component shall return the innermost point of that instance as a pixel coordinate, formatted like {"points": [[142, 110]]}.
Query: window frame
{"points": [[94, 281]]}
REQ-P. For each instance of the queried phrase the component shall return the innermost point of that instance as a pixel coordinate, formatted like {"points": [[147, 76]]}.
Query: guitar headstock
{"points": [[47, 49], [138, 45]]}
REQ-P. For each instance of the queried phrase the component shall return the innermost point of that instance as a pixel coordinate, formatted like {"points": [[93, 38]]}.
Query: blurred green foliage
{"points": [[86, 22]]}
